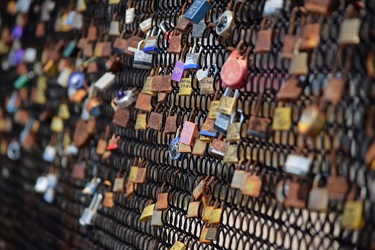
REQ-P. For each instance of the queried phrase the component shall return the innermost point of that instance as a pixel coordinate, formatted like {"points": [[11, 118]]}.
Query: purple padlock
{"points": [[17, 32], [178, 71], [18, 57]]}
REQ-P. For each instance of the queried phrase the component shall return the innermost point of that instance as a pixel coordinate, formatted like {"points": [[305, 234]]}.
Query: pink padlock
{"points": [[234, 69]]}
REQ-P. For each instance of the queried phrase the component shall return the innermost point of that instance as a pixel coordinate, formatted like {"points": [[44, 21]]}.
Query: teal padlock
{"points": [[70, 49], [21, 81], [197, 11]]}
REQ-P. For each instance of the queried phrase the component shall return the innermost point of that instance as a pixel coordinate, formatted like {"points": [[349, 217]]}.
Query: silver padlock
{"points": [[142, 60], [221, 123], [297, 165], [198, 29], [146, 24], [63, 79], [225, 24], [151, 41], [89, 213], [105, 82], [274, 8], [129, 15], [192, 59]]}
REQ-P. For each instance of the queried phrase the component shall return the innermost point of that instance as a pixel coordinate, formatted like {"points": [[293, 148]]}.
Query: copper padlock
{"points": [[161, 83], [290, 91], [155, 120], [217, 147], [253, 186], [263, 42], [296, 195], [162, 202], [170, 123], [193, 209], [143, 102], [121, 117], [258, 126], [310, 35], [183, 24], [92, 34], [322, 7], [290, 39], [174, 46]]}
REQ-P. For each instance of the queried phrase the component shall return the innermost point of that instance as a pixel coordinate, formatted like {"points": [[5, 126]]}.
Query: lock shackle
{"points": [[170, 109], [114, 16], [316, 180], [355, 6], [348, 61], [292, 23], [139, 44], [162, 26], [297, 46], [259, 103]]}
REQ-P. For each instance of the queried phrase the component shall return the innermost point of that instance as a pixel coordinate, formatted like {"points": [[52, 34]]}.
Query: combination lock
{"points": [[225, 24]]}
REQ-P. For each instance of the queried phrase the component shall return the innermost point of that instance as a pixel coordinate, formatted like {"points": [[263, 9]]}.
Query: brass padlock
{"points": [[240, 175], [216, 214], [252, 186], [199, 148], [194, 209], [353, 213], [312, 121], [298, 64], [108, 200], [147, 213], [228, 102], [350, 26], [202, 237], [234, 130]]}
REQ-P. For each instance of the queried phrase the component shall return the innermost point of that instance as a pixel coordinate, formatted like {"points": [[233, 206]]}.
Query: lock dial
{"points": [[225, 24]]}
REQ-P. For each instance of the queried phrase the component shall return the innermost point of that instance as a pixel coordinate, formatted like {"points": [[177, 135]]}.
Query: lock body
{"points": [[197, 10], [225, 24], [234, 70]]}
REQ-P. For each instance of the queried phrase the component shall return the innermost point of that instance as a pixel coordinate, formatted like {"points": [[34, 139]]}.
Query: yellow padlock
{"points": [[352, 217], [147, 213]]}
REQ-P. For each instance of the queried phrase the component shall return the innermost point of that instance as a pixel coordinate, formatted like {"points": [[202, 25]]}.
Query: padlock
{"points": [[162, 201], [161, 83], [217, 147], [178, 71], [192, 60], [113, 2], [199, 148], [183, 24], [273, 8], [208, 129], [113, 143], [142, 60], [197, 10], [91, 187], [231, 153], [211, 233], [174, 147], [89, 214], [189, 132], [193, 209], [155, 120], [147, 213], [141, 122], [258, 126], [310, 35], [64, 77], [228, 101], [198, 29], [263, 42], [235, 68], [114, 26], [312, 121], [21, 81], [132, 42], [50, 151], [290, 39], [234, 130], [41, 184], [353, 213], [216, 214], [174, 45], [207, 210], [335, 87], [108, 200], [50, 68], [81, 6], [118, 185], [183, 148], [221, 123], [30, 55], [105, 82], [120, 43], [151, 42], [185, 88], [79, 170], [296, 195], [282, 119], [178, 245], [146, 24], [93, 106], [88, 50], [290, 91], [318, 196], [146, 89], [337, 186], [102, 142], [143, 102], [350, 26], [206, 80], [202, 237], [133, 172], [298, 64], [121, 117], [297, 165], [170, 122], [321, 7], [57, 124], [201, 187], [140, 178], [240, 175], [156, 220], [225, 24], [71, 49], [125, 98]]}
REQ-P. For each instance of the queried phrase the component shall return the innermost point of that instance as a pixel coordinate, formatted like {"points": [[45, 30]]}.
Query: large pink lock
{"points": [[234, 69], [189, 132]]}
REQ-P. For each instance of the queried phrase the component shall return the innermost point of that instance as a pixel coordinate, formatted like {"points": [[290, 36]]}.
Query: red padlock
{"points": [[234, 69]]}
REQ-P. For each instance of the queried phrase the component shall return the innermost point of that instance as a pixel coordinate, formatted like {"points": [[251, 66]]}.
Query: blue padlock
{"points": [[192, 60], [151, 42], [197, 11], [76, 80]]}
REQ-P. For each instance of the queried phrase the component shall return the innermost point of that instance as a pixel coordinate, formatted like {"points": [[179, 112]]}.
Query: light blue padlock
{"points": [[70, 49], [197, 11]]}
